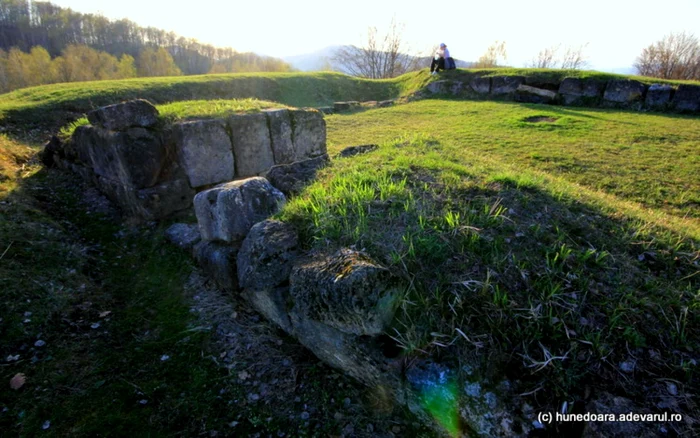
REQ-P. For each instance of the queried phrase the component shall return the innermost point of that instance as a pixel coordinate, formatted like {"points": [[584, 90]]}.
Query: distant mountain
{"points": [[322, 58], [317, 60]]}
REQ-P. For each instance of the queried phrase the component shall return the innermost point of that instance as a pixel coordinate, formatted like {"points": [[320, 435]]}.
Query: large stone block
{"points": [[292, 178], [185, 236], [438, 87], [164, 199], [219, 263], [120, 116], [134, 157], [266, 255], [228, 211], [575, 91], [272, 304], [346, 290], [624, 91], [502, 85], [252, 148], [281, 135], [481, 85], [205, 151], [526, 93], [309, 133], [687, 98], [658, 96]]}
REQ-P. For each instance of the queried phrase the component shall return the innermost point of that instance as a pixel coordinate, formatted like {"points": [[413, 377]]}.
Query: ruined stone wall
{"points": [[152, 170], [614, 93]]}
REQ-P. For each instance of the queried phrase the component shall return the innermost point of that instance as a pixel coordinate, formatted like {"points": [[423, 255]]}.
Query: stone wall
{"points": [[614, 93], [152, 170]]}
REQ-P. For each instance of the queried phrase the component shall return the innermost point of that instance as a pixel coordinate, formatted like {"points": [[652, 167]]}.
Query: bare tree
{"points": [[493, 55], [676, 56], [379, 58], [573, 59], [547, 58]]}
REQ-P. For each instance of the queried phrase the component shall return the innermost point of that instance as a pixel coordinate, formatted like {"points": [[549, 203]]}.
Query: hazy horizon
{"points": [[615, 33]]}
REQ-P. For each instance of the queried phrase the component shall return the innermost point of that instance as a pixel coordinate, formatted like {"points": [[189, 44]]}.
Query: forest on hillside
{"points": [[43, 43]]}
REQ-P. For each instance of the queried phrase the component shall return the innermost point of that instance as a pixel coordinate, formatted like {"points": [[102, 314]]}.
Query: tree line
{"points": [[53, 44]]}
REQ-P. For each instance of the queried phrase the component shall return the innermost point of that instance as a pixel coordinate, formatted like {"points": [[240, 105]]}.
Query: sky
{"points": [[614, 31]]}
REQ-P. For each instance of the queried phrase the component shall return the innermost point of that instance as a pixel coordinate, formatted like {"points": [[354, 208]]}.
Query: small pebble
{"points": [[39, 343], [164, 357], [672, 388], [143, 402], [304, 415], [46, 425], [95, 325], [627, 366], [346, 402]]}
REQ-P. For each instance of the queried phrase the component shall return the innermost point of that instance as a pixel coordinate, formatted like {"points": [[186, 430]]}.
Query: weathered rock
{"points": [[272, 304], [228, 211], [624, 91], [456, 88], [351, 151], [252, 148], [164, 199], [205, 151], [385, 103], [280, 125], [345, 106], [438, 87], [308, 134], [501, 85], [266, 255], [575, 91], [120, 116], [341, 350], [219, 263], [526, 93], [185, 236], [658, 96], [481, 85], [291, 178], [687, 98], [51, 148], [347, 291], [134, 157]]}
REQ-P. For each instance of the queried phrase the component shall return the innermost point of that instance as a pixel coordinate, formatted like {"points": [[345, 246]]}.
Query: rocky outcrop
{"points": [[576, 91], [345, 106], [351, 151], [153, 170], [292, 178], [228, 211], [135, 113]]}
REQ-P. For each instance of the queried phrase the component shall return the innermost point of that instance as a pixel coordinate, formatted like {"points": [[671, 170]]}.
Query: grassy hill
{"points": [[555, 247]]}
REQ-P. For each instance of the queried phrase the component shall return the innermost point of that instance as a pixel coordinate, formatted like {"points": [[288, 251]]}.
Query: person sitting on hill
{"points": [[442, 60]]}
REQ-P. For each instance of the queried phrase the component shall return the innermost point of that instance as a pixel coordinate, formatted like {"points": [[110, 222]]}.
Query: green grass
{"points": [[49, 107], [522, 242], [649, 159]]}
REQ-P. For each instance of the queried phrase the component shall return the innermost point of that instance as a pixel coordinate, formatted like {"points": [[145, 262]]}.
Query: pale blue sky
{"points": [[615, 31]]}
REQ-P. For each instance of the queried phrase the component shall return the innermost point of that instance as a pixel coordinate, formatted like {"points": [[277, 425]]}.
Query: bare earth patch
{"points": [[541, 119]]}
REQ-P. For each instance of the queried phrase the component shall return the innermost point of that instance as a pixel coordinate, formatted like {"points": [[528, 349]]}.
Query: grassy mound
{"points": [[49, 107]]}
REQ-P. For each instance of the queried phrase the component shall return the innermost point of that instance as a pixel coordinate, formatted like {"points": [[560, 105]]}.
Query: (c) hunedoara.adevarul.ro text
{"points": [[548, 417]]}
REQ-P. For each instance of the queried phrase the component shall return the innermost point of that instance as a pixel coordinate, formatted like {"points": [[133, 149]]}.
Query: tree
{"points": [[157, 62], [573, 59], [126, 68], [493, 55], [379, 58], [676, 56]]}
